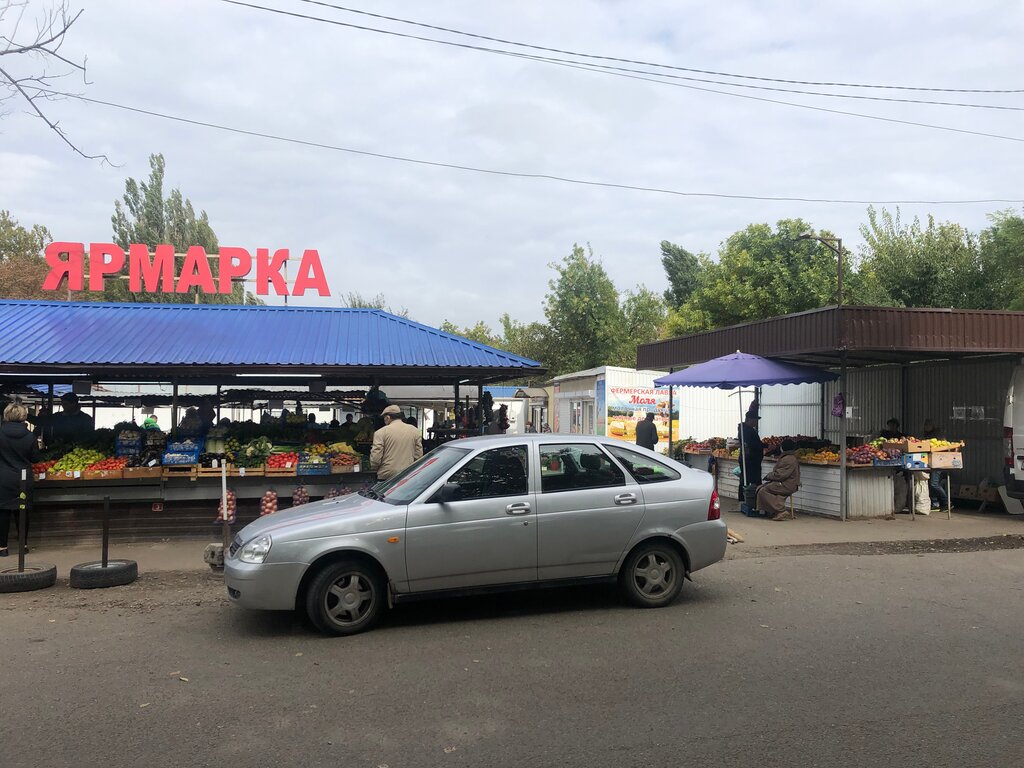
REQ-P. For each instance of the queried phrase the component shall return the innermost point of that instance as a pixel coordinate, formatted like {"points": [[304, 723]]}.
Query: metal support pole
{"points": [[843, 484], [106, 529], [22, 520], [48, 427], [455, 431], [218, 403], [224, 506], [670, 412], [480, 408], [174, 408], [839, 275]]}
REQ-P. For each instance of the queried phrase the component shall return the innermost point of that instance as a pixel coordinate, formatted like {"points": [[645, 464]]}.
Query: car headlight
{"points": [[256, 551]]}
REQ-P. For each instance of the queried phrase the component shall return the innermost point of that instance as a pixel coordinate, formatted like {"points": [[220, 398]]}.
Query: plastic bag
{"points": [[839, 406]]}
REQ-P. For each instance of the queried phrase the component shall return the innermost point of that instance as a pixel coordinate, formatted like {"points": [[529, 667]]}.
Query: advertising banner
{"points": [[629, 405]]}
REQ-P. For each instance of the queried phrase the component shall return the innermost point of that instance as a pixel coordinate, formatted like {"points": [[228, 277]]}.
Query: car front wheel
{"points": [[345, 598], [652, 575]]}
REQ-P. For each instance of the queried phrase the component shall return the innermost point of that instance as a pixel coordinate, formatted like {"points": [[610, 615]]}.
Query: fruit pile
{"points": [[339, 448], [317, 449], [866, 454], [300, 496], [207, 459], [346, 460], [110, 464], [42, 466], [822, 456], [268, 504], [946, 445], [253, 454], [78, 460], [706, 446], [281, 460]]}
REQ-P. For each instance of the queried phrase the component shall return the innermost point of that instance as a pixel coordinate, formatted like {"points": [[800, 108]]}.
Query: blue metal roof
{"points": [[52, 333]]}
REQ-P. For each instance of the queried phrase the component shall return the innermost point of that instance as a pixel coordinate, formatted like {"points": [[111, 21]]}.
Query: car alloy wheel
{"points": [[345, 598], [653, 575]]}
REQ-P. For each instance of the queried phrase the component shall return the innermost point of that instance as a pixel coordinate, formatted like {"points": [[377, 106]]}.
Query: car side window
{"points": [[575, 466], [642, 468], [497, 472]]}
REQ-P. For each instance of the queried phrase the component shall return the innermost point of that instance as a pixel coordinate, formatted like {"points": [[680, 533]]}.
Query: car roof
{"points": [[488, 441]]}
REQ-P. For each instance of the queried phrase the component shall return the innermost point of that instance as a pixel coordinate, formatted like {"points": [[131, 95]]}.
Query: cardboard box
{"points": [[910, 446], [947, 460], [969, 492], [915, 461], [991, 495]]}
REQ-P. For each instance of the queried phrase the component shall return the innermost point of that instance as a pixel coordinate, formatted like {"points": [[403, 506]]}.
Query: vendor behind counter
{"points": [[70, 424]]}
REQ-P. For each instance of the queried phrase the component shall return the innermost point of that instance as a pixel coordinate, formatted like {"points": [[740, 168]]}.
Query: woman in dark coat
{"points": [[18, 451]]}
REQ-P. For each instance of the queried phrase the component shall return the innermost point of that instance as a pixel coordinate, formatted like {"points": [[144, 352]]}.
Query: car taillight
{"points": [[1008, 436], [714, 507]]}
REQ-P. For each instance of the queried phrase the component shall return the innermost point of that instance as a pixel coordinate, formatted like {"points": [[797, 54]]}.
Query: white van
{"points": [[1013, 434]]}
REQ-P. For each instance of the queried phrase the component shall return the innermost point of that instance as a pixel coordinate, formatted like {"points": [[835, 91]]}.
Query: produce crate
{"points": [[251, 471], [305, 468], [911, 446], [103, 474], [216, 471], [280, 472], [64, 475], [131, 473], [915, 461], [887, 463], [186, 446], [947, 460], [947, 448], [131, 447], [180, 470], [340, 469]]}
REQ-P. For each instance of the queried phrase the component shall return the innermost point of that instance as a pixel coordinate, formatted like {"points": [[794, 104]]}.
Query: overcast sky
{"points": [[464, 246]]}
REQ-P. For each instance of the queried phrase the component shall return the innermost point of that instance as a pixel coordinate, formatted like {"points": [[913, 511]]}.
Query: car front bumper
{"points": [[266, 587]]}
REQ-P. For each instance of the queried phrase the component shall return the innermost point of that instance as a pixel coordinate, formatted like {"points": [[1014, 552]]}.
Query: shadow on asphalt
{"points": [[454, 610]]}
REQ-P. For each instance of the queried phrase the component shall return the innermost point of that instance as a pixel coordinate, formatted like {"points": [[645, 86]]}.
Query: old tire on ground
{"points": [[652, 575], [346, 598], [33, 577], [95, 576]]}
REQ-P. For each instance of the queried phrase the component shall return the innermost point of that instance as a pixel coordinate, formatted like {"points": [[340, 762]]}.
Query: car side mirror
{"points": [[448, 492]]}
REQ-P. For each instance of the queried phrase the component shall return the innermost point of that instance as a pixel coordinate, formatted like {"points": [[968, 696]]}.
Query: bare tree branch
{"points": [[42, 50]]}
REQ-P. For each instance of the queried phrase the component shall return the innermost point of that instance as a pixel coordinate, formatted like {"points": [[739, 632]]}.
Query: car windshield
{"points": [[406, 486]]}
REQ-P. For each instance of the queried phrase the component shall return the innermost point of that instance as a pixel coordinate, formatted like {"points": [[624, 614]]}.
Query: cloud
{"points": [[451, 244]]}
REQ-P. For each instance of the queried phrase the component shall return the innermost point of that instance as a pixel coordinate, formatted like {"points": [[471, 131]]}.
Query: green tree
{"points": [[935, 265], [644, 317], [356, 300], [682, 269], [147, 217], [22, 267], [583, 312], [762, 272], [1002, 258], [481, 333]]}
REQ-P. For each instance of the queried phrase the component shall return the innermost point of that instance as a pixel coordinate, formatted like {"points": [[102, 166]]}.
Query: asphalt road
{"points": [[817, 660]]}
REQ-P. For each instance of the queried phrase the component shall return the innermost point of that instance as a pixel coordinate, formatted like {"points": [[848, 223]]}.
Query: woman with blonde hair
{"points": [[18, 451]]}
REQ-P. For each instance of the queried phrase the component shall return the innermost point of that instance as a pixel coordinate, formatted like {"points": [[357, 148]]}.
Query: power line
{"points": [[511, 174], [591, 67], [648, 63]]}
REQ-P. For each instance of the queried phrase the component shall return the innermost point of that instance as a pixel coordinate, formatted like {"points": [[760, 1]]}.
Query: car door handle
{"points": [[625, 498], [519, 508]]}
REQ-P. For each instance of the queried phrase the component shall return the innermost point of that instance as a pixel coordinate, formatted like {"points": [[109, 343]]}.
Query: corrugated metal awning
{"points": [[138, 341]]}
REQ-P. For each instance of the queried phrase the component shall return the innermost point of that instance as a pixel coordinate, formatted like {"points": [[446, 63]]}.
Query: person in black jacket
{"points": [[18, 451], [753, 451], [647, 432]]}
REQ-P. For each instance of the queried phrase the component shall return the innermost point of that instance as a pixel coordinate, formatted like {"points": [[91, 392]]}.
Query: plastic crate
{"points": [[306, 468], [887, 463], [185, 446], [129, 447], [180, 458]]}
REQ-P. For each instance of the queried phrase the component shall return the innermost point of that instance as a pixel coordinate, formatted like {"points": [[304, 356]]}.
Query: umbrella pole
{"points": [[743, 451]]}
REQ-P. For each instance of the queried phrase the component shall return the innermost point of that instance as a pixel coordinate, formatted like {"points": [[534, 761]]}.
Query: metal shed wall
{"points": [[793, 409]]}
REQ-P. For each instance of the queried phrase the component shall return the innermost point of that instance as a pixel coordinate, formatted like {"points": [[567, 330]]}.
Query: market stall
{"points": [[168, 479], [871, 470]]}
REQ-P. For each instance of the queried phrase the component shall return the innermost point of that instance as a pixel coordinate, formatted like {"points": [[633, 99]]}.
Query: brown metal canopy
{"points": [[868, 336]]}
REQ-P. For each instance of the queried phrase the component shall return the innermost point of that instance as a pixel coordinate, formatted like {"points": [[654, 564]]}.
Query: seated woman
{"points": [[781, 482]]}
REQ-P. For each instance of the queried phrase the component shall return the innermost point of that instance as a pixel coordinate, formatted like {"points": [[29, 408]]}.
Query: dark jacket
{"points": [[647, 434], [18, 451], [753, 451]]}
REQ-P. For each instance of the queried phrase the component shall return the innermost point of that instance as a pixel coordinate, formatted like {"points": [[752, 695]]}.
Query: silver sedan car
{"points": [[485, 514]]}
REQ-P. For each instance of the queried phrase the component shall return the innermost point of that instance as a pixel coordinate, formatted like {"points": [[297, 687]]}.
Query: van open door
{"points": [[1013, 436]]}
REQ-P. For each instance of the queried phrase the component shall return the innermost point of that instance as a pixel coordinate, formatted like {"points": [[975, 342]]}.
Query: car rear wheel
{"points": [[652, 575], [345, 598]]}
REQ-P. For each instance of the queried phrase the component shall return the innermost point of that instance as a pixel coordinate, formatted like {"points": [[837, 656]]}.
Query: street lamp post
{"points": [[837, 249]]}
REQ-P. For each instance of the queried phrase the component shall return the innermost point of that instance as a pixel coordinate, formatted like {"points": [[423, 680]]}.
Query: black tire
{"points": [[652, 575], [361, 586], [32, 578], [95, 576]]}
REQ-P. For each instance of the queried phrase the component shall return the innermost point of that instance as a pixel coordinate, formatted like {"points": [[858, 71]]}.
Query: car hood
{"points": [[353, 513]]}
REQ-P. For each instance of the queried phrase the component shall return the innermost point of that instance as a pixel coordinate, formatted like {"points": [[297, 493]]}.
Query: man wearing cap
{"points": [[396, 445], [72, 422]]}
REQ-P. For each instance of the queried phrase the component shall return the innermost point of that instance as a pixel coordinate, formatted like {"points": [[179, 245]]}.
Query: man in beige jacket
{"points": [[396, 445]]}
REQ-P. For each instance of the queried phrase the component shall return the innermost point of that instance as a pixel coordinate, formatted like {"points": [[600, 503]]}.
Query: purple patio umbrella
{"points": [[742, 370]]}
